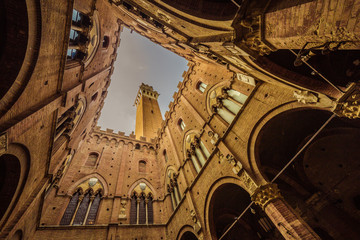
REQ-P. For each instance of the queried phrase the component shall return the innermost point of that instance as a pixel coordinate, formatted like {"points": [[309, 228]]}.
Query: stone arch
{"points": [[307, 178], [188, 134], [15, 166], [210, 89], [256, 130], [169, 168], [148, 185], [102, 181], [221, 210], [215, 185], [19, 48], [186, 233]]}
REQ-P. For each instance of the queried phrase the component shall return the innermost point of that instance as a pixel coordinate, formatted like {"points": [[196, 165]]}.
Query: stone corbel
{"points": [[197, 224], [349, 105]]}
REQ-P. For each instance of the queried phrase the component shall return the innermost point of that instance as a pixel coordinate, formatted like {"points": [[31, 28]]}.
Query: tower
{"points": [[148, 115]]}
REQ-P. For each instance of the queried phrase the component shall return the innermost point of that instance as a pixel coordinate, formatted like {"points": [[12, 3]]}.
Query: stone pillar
{"points": [[287, 221]]}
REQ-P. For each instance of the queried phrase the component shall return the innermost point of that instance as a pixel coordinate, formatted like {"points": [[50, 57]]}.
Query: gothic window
{"points": [[92, 158], [196, 152], [182, 125], [133, 209], [81, 212], [173, 189], [201, 87], [137, 146], [70, 210], [83, 208], [69, 120], [150, 210], [226, 102], [83, 36], [165, 156], [142, 166], [141, 209], [93, 210]]}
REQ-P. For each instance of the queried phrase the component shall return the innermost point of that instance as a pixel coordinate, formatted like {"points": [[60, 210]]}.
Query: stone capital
{"points": [[3, 143], [265, 194], [349, 105]]}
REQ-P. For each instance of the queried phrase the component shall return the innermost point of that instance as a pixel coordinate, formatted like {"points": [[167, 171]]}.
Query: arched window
{"points": [[201, 86], [181, 124], [82, 208], [83, 36], [173, 189], [69, 120], [142, 166], [141, 209], [196, 151], [133, 209], [226, 102], [165, 156], [92, 158], [137, 146]]}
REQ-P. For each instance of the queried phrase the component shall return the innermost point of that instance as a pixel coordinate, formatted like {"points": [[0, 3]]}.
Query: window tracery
{"points": [[141, 208], [196, 152], [173, 189], [84, 36], [67, 122], [226, 102], [83, 206]]}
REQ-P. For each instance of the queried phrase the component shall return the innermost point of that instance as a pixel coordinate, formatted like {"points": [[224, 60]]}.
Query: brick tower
{"points": [[148, 115]]}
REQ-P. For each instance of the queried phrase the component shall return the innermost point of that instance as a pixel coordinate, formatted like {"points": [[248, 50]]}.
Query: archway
{"points": [[188, 236], [319, 185], [14, 37], [10, 171], [227, 203]]}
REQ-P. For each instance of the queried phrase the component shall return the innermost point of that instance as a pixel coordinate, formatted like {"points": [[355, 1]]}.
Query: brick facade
{"points": [[246, 106]]}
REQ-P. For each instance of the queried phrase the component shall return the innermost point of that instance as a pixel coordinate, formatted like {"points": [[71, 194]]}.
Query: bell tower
{"points": [[148, 115]]}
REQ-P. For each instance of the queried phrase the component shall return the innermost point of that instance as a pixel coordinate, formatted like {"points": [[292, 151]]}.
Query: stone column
{"points": [[287, 221]]}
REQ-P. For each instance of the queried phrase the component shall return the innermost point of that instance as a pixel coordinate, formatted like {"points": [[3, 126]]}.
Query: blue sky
{"points": [[139, 60]]}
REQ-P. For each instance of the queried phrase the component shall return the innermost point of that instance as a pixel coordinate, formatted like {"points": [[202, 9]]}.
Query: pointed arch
{"points": [[137, 182], [102, 180]]}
